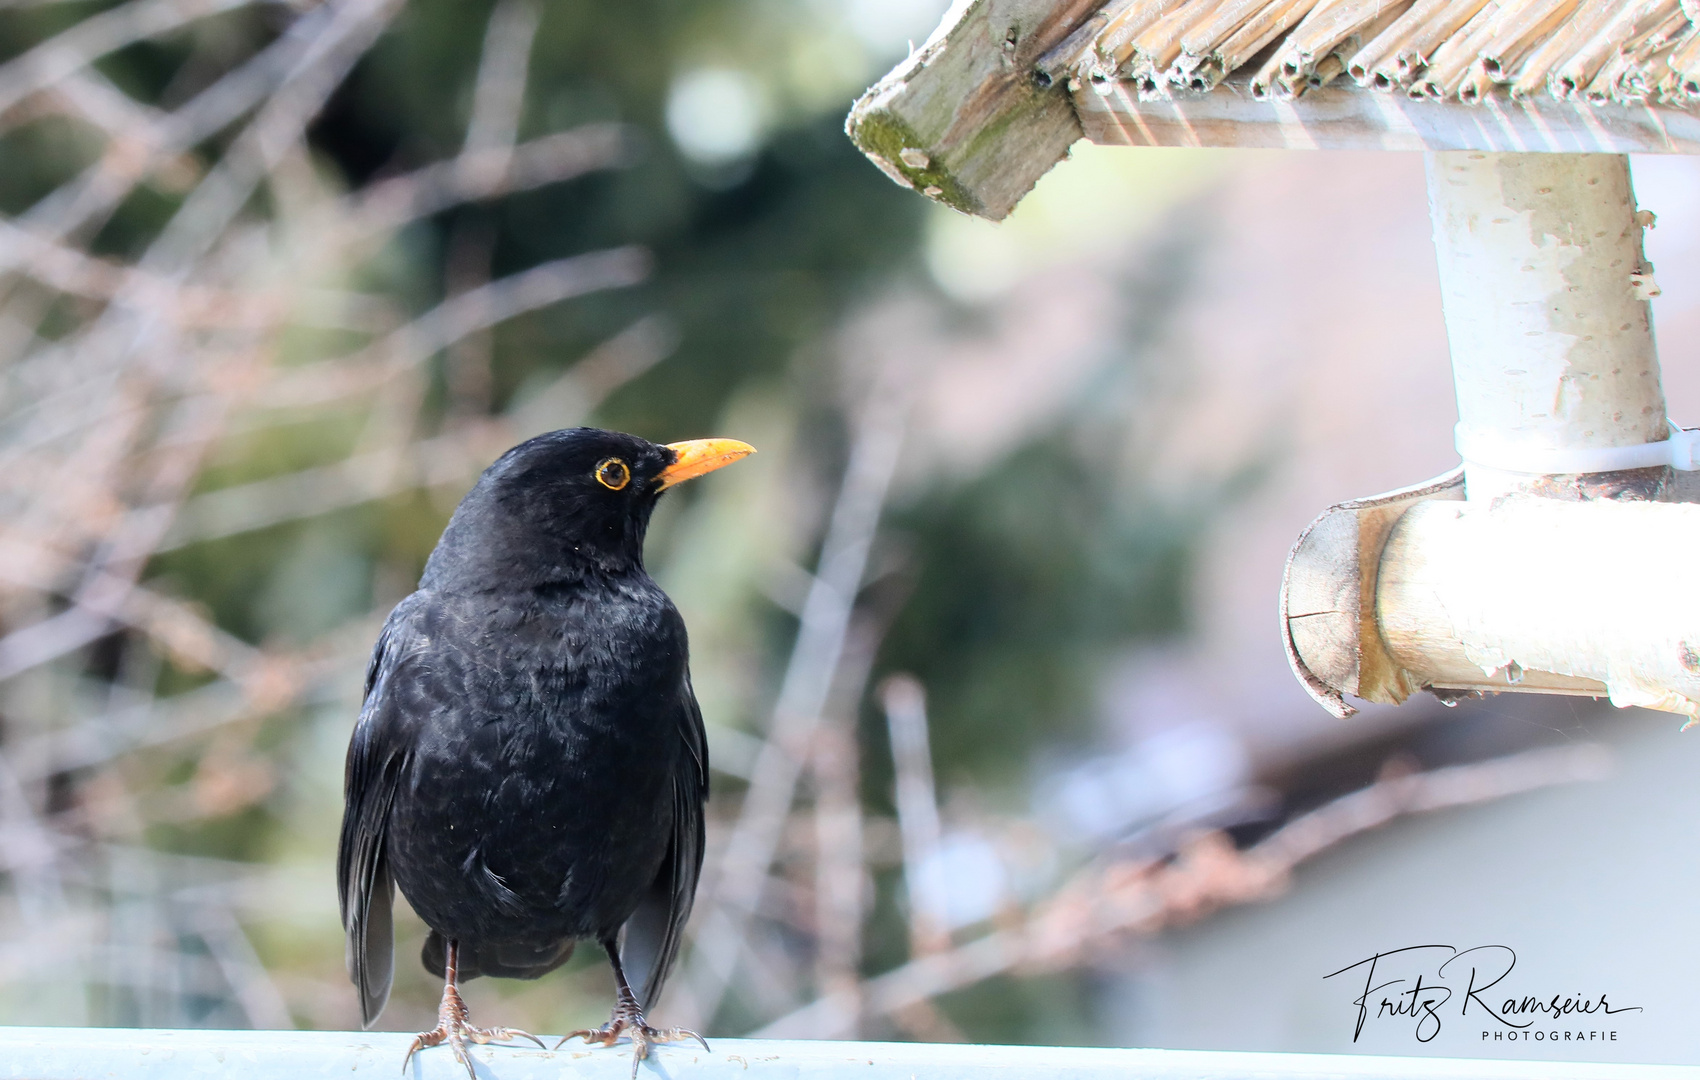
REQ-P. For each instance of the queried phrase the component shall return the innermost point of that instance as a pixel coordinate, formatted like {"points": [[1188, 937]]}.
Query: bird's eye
{"points": [[613, 474]]}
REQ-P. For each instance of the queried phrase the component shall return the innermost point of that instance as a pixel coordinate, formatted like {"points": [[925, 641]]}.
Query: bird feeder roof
{"points": [[1001, 90]]}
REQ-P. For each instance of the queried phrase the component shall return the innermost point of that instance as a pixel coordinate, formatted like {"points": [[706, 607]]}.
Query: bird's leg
{"points": [[628, 1019], [452, 1027]]}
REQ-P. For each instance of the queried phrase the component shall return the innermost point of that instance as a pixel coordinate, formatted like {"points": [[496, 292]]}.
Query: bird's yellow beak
{"points": [[700, 456]]}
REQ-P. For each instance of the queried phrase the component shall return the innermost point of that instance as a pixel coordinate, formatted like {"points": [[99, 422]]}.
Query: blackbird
{"points": [[529, 765]]}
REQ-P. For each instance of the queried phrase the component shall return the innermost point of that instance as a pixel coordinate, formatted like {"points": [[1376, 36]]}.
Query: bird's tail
{"points": [[505, 961]]}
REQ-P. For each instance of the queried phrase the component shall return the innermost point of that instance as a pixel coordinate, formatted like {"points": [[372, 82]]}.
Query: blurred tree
{"points": [[1030, 576]]}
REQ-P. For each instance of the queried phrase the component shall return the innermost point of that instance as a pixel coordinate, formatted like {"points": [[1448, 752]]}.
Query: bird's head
{"points": [[567, 499]]}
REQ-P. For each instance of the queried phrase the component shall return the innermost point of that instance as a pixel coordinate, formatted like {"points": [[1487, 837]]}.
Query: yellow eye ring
{"points": [[612, 474]]}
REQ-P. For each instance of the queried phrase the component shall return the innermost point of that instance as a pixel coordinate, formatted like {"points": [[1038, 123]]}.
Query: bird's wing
{"points": [[654, 931], [377, 756]]}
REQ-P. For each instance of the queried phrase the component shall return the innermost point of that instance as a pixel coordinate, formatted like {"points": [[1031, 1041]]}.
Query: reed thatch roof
{"points": [[1602, 51], [1003, 88]]}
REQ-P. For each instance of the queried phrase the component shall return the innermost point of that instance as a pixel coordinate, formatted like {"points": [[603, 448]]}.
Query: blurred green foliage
{"points": [[1028, 579], [1033, 575]]}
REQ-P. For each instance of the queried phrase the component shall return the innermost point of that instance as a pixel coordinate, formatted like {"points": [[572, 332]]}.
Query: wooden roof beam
{"points": [[963, 120]]}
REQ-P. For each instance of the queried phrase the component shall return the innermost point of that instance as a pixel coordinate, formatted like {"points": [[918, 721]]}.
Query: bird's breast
{"points": [[562, 706]]}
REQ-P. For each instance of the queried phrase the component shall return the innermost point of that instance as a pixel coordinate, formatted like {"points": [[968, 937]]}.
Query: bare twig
{"points": [[841, 878], [90, 96], [214, 203], [803, 694], [501, 300], [241, 967], [427, 463], [384, 206], [497, 100], [905, 705], [499, 95], [94, 37], [1105, 904], [84, 202]]}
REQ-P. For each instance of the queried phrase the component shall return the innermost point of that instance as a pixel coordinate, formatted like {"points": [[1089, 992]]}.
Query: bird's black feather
{"points": [[657, 926], [530, 766], [376, 761]]}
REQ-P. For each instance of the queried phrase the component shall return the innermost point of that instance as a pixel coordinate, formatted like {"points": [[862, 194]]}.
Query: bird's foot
{"points": [[628, 1021], [453, 1029]]}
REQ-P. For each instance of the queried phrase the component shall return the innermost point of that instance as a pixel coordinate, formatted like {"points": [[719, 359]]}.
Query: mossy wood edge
{"points": [[963, 119]]}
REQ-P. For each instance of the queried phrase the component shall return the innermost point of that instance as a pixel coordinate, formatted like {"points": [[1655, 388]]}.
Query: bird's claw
{"points": [[607, 1034], [638, 1030], [453, 1029]]}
